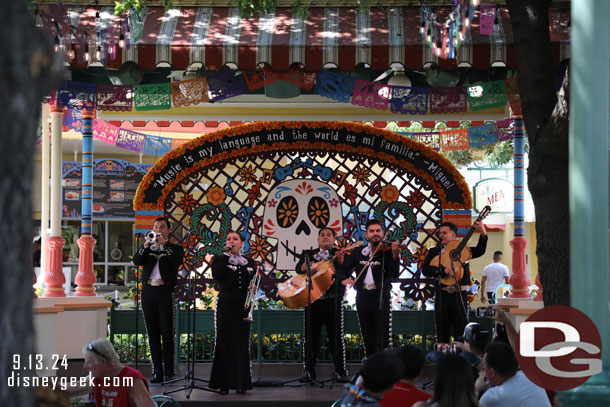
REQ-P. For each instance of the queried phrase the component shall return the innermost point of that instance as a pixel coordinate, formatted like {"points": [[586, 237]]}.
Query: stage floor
{"points": [[267, 390], [287, 395]]}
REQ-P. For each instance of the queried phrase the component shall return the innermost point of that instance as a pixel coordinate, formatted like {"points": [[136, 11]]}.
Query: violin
{"points": [[388, 246]]}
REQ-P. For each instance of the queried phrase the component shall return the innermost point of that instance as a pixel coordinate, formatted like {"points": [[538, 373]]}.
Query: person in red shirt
{"points": [[114, 384], [404, 393]]}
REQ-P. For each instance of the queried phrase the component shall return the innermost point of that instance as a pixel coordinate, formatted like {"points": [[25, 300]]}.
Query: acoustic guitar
{"points": [[457, 254], [294, 291]]}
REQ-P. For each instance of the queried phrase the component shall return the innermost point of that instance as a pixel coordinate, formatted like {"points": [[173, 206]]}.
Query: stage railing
{"points": [[276, 335]]}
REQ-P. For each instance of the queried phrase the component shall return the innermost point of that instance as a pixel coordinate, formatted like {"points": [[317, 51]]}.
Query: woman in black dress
{"points": [[233, 272]]}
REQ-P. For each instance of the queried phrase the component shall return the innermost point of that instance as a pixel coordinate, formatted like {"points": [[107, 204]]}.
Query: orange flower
{"points": [[389, 193], [216, 196]]}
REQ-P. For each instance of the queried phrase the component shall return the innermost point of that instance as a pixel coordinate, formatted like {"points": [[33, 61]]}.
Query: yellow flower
{"points": [[216, 195], [389, 193]]}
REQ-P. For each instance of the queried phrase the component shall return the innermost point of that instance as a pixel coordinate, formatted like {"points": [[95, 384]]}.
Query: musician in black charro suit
{"points": [[327, 310], [451, 301], [160, 261], [374, 267]]}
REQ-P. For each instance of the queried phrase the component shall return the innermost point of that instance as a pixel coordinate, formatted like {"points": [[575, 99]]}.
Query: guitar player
{"points": [[451, 300], [327, 311]]}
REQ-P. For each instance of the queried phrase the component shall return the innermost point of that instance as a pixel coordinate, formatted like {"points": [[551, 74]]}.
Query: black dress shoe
{"points": [[224, 391], [240, 391], [169, 377], [157, 378]]}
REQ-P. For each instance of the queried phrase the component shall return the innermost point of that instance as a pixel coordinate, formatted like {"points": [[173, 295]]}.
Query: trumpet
{"points": [[151, 236], [251, 298]]}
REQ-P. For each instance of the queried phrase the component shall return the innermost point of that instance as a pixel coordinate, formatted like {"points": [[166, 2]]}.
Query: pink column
{"points": [[85, 278], [518, 278], [54, 279]]}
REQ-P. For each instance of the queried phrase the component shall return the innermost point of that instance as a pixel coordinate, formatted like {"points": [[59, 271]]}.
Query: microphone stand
{"points": [[337, 305], [380, 341], [191, 317], [137, 275], [308, 379]]}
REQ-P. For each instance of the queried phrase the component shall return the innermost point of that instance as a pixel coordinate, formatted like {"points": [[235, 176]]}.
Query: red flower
{"points": [[416, 199], [254, 192], [350, 193], [187, 204]]}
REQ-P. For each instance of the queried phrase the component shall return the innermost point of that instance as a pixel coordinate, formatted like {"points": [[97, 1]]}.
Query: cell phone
{"points": [[486, 312]]}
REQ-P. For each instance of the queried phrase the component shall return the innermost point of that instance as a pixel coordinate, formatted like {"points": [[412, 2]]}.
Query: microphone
{"points": [[227, 249]]}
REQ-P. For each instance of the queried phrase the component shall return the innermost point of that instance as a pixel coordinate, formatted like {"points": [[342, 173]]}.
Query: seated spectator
{"points": [[512, 387], [114, 384], [404, 392], [476, 339], [377, 376], [454, 384]]}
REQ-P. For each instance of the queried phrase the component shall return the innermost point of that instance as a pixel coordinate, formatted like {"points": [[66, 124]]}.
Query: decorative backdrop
{"points": [[278, 183]]}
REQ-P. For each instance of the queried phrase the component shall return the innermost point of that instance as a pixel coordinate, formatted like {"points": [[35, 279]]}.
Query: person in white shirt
{"points": [[493, 275], [512, 387]]}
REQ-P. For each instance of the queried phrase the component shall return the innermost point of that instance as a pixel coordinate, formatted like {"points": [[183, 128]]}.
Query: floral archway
{"points": [[277, 183]]}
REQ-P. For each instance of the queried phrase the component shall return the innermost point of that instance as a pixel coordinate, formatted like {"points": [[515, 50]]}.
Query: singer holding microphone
{"points": [[160, 260], [233, 273], [370, 270]]}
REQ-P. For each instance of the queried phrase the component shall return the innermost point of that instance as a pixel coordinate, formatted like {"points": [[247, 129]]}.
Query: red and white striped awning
{"points": [[215, 36]]}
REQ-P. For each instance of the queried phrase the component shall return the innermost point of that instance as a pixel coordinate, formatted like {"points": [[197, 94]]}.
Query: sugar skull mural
{"points": [[294, 212]]}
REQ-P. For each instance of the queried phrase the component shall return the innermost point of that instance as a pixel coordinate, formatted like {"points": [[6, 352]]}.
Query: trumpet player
{"points": [[233, 273], [161, 260]]}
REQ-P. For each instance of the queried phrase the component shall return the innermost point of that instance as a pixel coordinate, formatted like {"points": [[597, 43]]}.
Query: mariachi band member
{"points": [[325, 311], [160, 260], [233, 273], [451, 300], [370, 270]]}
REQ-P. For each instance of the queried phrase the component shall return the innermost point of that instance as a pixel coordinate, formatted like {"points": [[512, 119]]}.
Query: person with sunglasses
{"points": [[114, 384]]}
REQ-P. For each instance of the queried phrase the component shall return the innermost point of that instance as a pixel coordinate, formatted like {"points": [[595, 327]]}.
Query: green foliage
{"points": [[460, 158], [121, 7], [247, 8]]}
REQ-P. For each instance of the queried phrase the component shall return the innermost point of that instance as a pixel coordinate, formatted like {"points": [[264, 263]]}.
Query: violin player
{"points": [[451, 300], [370, 270], [325, 311]]}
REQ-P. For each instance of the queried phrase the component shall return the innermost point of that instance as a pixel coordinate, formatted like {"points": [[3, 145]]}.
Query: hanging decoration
{"points": [[370, 94], [409, 100], [454, 139], [189, 92], [448, 100], [486, 95], [152, 97]]}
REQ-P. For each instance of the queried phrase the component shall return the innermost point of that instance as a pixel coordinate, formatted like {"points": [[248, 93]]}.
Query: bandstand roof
{"points": [[217, 35]]}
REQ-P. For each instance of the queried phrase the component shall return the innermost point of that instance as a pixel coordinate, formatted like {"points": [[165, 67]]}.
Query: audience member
{"points": [[114, 384], [377, 376], [454, 384], [404, 392], [512, 387]]}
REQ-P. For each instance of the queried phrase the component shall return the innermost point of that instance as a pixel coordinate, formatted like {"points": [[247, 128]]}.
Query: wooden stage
{"points": [[268, 390], [286, 395]]}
